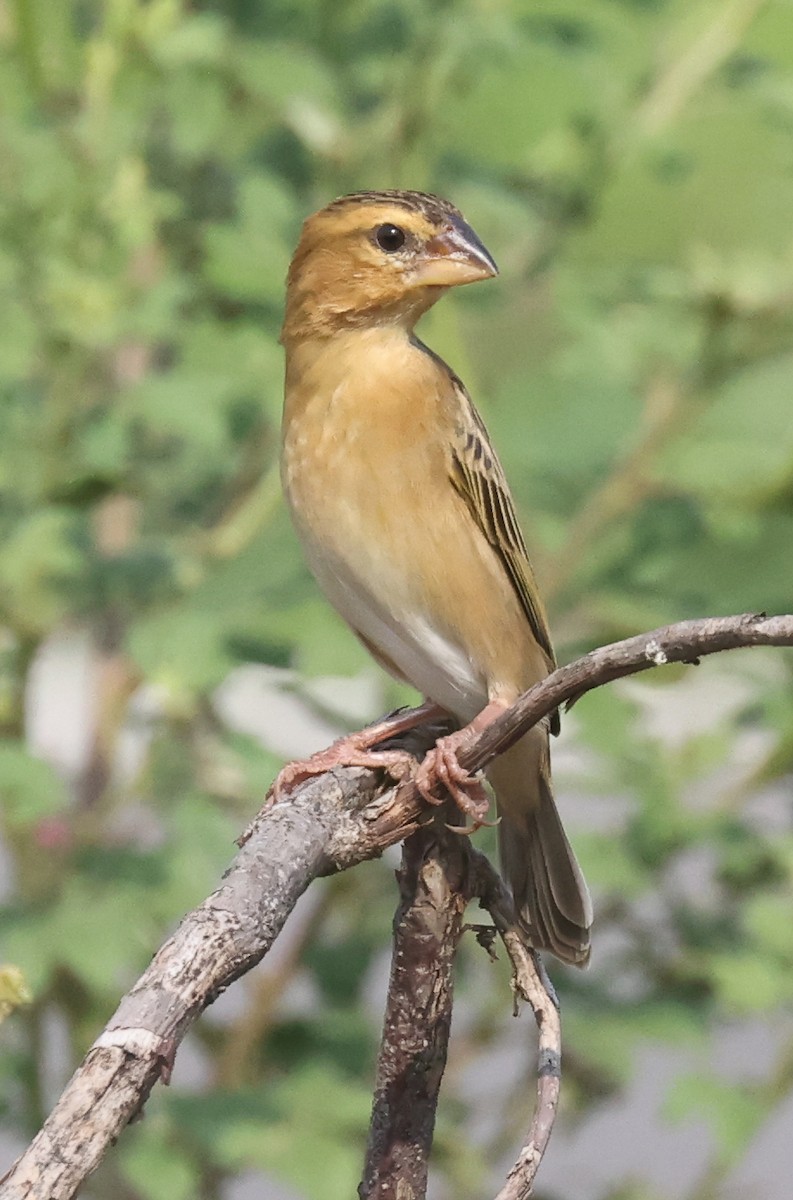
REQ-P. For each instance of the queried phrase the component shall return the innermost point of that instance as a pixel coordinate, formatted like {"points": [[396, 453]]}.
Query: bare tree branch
{"points": [[440, 874], [434, 891], [328, 824], [683, 642]]}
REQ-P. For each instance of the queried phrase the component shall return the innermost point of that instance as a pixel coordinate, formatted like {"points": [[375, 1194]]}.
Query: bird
{"points": [[407, 523]]}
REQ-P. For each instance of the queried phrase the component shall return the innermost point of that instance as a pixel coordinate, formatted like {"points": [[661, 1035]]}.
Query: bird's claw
{"points": [[441, 766], [467, 830]]}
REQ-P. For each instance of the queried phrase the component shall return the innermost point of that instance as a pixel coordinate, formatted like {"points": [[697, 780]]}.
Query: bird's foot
{"points": [[441, 768], [346, 752], [357, 750]]}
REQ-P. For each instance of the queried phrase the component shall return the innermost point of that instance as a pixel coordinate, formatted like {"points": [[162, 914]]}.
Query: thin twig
{"points": [[683, 642], [531, 983]]}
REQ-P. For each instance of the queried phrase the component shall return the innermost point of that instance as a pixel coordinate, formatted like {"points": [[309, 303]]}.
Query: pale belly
{"points": [[365, 556], [378, 605]]}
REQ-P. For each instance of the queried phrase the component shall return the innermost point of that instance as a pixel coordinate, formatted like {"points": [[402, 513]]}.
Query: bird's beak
{"points": [[453, 256]]}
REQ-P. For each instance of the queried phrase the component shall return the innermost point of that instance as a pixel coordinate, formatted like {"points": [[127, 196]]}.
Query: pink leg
{"points": [[441, 766], [356, 750]]}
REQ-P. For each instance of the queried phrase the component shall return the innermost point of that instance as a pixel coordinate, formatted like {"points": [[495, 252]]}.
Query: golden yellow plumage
{"points": [[406, 518]]}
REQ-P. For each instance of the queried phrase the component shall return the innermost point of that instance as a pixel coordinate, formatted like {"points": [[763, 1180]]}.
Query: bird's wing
{"points": [[478, 477]]}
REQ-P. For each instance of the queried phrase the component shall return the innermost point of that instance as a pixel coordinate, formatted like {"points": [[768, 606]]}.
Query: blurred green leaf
{"points": [[29, 788], [36, 561], [267, 1129], [733, 1113], [181, 651], [100, 933], [155, 1167], [748, 982]]}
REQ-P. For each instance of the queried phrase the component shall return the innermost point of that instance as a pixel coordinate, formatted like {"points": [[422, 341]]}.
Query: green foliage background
{"points": [[630, 165]]}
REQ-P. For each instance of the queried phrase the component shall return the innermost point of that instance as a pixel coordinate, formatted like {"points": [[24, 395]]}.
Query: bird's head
{"points": [[379, 258]]}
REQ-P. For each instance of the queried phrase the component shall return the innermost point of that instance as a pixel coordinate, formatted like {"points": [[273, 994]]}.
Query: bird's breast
{"points": [[366, 466], [371, 502], [361, 451]]}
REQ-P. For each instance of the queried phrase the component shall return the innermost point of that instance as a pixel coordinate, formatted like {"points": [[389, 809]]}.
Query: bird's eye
{"points": [[389, 238]]}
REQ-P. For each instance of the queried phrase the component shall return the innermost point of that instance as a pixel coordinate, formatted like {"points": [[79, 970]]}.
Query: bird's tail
{"points": [[551, 897]]}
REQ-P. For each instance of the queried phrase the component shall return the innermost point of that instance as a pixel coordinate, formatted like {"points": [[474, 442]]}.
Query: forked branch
{"points": [[328, 824]]}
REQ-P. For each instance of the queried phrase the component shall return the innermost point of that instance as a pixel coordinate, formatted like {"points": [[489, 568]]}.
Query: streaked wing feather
{"points": [[479, 478]]}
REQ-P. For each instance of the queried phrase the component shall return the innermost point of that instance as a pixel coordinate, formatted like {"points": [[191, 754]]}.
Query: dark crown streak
{"points": [[433, 208]]}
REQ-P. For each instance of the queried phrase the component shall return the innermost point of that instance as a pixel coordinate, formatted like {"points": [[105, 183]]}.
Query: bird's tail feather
{"points": [[551, 897]]}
